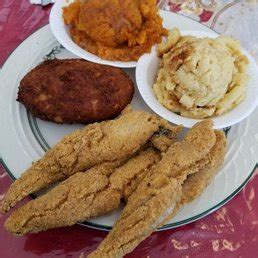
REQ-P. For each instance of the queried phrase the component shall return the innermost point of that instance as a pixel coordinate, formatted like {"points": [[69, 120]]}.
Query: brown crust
{"points": [[75, 91]]}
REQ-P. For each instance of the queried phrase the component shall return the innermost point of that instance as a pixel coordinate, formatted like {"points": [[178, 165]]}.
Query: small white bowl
{"points": [[146, 73], [62, 34]]}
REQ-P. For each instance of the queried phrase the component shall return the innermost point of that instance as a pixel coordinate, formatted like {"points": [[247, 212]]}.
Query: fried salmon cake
{"points": [[75, 91]]}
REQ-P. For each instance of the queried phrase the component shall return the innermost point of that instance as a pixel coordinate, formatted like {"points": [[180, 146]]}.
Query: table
{"points": [[232, 231]]}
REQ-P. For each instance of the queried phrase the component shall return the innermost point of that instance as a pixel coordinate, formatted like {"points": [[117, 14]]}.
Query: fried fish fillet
{"points": [[196, 183], [109, 141], [80, 197], [159, 194], [85, 195]]}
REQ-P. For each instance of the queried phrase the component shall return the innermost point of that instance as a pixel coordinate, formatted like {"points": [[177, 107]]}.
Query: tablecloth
{"points": [[231, 231]]}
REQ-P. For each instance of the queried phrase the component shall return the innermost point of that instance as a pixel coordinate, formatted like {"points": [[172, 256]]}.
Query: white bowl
{"points": [[62, 34], [146, 73]]}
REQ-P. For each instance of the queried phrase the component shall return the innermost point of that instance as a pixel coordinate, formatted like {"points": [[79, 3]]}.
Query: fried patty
{"points": [[75, 91]]}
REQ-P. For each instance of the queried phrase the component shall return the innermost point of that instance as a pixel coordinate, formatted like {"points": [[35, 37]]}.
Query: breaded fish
{"points": [[158, 195], [85, 195], [80, 197], [110, 141], [196, 183]]}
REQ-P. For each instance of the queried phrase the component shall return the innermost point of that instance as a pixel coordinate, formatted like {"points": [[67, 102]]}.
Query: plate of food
{"points": [[80, 137], [107, 32], [195, 75]]}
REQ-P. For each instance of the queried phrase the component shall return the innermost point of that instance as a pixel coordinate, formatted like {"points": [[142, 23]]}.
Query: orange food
{"points": [[120, 30]]}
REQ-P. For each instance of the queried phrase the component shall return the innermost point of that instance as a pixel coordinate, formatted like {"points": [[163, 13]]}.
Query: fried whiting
{"points": [[88, 194], [82, 149], [196, 183], [159, 195], [80, 197], [154, 184]]}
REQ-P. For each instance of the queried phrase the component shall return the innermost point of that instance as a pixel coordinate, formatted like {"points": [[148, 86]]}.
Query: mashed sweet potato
{"points": [[120, 30]]}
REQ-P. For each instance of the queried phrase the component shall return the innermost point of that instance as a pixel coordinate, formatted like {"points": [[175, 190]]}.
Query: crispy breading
{"points": [[166, 182], [56, 209], [166, 135], [82, 149], [138, 222], [158, 195], [196, 144], [74, 192], [196, 183], [80, 197], [200, 174]]}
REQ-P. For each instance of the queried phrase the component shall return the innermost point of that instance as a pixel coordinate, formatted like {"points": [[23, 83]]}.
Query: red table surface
{"points": [[232, 231]]}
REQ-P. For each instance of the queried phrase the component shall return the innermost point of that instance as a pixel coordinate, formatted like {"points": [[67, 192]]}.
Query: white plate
{"points": [[146, 74], [61, 32], [24, 138]]}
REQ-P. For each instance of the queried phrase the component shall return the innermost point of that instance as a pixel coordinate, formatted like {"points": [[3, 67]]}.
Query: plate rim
{"points": [[165, 227]]}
